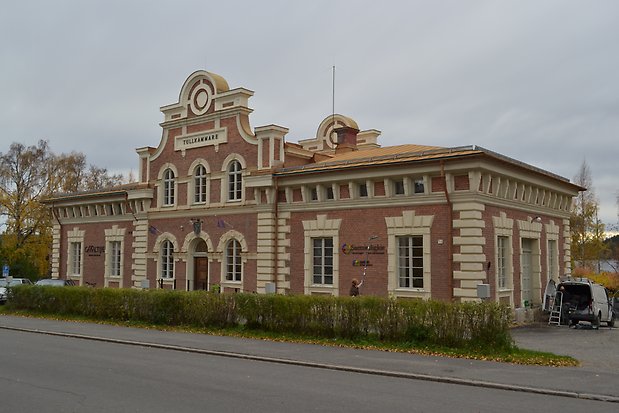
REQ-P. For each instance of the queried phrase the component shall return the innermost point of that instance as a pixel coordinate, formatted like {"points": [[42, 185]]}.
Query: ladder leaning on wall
{"points": [[555, 309]]}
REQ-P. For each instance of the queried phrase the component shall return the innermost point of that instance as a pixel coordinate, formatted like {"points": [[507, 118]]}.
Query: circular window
{"points": [[200, 99]]}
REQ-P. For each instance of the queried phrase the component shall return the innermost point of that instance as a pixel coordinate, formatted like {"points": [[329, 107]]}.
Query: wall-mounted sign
{"points": [[361, 263], [363, 249], [199, 139], [95, 251]]}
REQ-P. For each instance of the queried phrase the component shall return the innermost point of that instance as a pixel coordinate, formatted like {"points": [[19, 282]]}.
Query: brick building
{"points": [[220, 204]]}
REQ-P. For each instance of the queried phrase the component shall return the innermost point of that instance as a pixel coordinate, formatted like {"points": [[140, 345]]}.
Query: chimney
{"points": [[346, 139]]}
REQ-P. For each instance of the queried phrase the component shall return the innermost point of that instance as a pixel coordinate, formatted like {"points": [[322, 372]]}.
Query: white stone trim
{"points": [[166, 236], [529, 229], [56, 249], [504, 227], [567, 248], [552, 234], [321, 227], [191, 184], [75, 235], [221, 249], [224, 183], [409, 224], [160, 186], [111, 235]]}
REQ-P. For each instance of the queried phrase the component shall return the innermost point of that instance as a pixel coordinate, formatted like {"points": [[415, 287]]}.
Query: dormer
{"points": [[326, 136]]}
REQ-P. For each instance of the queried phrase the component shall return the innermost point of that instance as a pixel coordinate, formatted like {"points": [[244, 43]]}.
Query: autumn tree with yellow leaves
{"points": [[28, 174]]}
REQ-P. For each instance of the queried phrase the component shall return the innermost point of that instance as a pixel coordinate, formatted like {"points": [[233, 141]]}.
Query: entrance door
{"points": [[200, 273], [527, 268]]}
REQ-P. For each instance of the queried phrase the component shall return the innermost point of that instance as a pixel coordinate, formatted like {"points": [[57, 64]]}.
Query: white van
{"points": [[584, 300]]}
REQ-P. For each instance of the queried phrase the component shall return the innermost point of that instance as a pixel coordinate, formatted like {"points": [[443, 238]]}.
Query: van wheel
{"points": [[611, 322]]}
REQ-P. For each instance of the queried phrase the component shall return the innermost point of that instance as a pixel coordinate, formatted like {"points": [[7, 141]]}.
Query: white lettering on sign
{"points": [[196, 140]]}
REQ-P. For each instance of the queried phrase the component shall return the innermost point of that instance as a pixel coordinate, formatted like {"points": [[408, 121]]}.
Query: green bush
{"points": [[456, 325]]}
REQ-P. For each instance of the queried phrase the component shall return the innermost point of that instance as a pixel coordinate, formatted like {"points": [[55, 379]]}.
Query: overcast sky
{"points": [[536, 80]]}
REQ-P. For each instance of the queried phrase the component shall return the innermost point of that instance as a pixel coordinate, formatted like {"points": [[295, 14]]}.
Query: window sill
{"points": [[411, 293], [321, 289]]}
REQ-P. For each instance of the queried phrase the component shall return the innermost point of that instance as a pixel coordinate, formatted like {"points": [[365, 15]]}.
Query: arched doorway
{"points": [[200, 266]]}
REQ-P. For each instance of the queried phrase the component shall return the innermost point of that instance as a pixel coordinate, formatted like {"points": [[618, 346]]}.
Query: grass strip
{"points": [[514, 356]]}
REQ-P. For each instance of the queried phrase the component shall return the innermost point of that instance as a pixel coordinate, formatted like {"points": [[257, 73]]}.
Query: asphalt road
{"points": [[60, 374]]}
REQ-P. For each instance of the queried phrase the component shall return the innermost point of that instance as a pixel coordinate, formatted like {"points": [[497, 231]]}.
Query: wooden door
{"points": [[200, 273]]}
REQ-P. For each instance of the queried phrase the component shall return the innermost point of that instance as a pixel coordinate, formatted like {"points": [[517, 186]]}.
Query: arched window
{"points": [[235, 181], [167, 259], [168, 187], [233, 261], [199, 184]]}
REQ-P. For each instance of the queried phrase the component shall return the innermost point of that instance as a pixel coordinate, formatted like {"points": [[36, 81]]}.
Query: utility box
{"points": [[145, 284], [483, 291], [269, 288]]}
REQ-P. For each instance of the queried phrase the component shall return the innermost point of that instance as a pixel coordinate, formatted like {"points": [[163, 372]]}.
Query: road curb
{"points": [[361, 370]]}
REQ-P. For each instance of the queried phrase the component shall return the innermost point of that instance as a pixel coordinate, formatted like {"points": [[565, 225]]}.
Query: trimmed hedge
{"points": [[464, 325]]}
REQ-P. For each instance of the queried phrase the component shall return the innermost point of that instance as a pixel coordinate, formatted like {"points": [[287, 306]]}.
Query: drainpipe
{"points": [[276, 229], [450, 238]]}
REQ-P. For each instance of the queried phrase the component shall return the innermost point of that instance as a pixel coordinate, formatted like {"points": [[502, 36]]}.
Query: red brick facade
{"points": [[420, 222]]}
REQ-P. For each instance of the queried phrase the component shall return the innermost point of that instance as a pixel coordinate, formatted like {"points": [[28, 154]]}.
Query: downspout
{"points": [[450, 238], [276, 230]]}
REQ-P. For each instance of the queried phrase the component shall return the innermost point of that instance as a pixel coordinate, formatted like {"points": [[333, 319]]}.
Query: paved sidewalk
{"points": [[584, 382]]}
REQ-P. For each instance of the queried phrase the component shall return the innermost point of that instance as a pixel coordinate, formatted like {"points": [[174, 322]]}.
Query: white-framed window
{"points": [[553, 261], [418, 186], [167, 259], [313, 193], [75, 254], [503, 255], [114, 244], [114, 257], [235, 181], [410, 261], [503, 258], [321, 266], [168, 187], [199, 184], [398, 187], [322, 257], [330, 194], [363, 190], [234, 263], [409, 255]]}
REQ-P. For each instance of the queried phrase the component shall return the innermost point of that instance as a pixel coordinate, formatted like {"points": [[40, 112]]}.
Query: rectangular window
{"points": [[553, 270], [76, 258], [323, 261], [398, 187], [167, 260], [502, 260], [330, 193], [410, 261], [419, 186], [363, 190], [200, 189], [314, 193], [233, 261], [115, 250]]}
